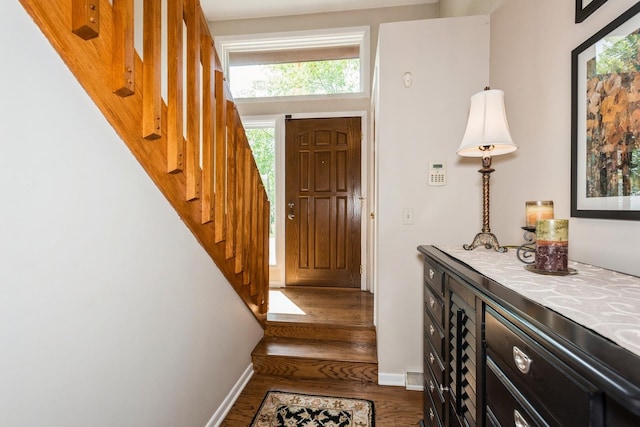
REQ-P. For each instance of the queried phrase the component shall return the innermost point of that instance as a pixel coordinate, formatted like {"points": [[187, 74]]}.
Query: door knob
{"points": [[291, 215]]}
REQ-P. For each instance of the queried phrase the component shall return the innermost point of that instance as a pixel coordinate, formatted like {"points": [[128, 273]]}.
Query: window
{"points": [[328, 63], [261, 136]]}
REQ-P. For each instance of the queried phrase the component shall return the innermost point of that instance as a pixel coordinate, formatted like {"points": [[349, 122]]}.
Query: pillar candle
{"points": [[552, 245], [535, 210]]}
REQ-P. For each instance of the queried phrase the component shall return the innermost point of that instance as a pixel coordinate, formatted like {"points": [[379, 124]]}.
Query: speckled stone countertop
{"points": [[605, 301]]}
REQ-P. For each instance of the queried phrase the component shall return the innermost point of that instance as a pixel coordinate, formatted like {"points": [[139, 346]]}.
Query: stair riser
{"points": [[315, 369], [301, 331]]}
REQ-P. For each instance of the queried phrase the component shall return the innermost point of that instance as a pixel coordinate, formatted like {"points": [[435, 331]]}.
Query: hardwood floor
{"points": [[340, 312], [336, 306], [394, 406]]}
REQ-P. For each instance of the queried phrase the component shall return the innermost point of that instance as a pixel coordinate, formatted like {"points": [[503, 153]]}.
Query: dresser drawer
{"points": [[434, 305], [431, 417], [434, 278], [433, 362], [433, 332], [543, 380], [433, 389], [502, 404]]}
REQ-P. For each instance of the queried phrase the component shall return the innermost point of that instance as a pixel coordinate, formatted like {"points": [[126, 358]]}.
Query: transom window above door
{"points": [[299, 64]]}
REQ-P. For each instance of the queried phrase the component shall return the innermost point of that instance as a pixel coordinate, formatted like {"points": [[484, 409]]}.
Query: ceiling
{"points": [[216, 10]]}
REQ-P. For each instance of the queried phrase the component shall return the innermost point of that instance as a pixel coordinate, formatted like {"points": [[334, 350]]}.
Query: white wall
{"points": [[350, 18], [449, 61], [531, 44], [111, 314], [449, 8]]}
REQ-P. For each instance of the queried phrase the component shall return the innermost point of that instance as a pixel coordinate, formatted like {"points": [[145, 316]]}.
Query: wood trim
{"points": [[249, 190], [231, 179], [192, 168], [85, 18], [240, 200], [123, 49], [263, 288], [220, 159], [208, 128], [175, 101], [152, 79], [256, 244]]}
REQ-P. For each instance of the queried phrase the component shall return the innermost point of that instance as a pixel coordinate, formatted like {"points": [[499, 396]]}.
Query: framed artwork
{"points": [[584, 8], [605, 115]]}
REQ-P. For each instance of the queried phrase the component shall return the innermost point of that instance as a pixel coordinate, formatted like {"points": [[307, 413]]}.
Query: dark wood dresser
{"points": [[494, 355]]}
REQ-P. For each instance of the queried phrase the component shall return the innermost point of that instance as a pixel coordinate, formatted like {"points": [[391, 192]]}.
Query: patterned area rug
{"points": [[281, 409]]}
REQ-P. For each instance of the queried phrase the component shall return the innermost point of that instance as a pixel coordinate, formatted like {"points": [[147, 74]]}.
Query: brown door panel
{"points": [[323, 202]]}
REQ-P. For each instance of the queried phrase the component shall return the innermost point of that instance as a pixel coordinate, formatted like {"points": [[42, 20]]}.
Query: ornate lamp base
{"points": [[489, 241]]}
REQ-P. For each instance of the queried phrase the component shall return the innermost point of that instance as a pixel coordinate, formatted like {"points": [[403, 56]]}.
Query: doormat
{"points": [[280, 408]]}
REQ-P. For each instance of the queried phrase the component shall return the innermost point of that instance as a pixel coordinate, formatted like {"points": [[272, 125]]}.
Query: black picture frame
{"points": [[584, 8], [600, 177]]}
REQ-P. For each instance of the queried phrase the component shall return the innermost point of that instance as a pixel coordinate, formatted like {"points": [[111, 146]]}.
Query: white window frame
{"points": [[301, 40], [276, 272]]}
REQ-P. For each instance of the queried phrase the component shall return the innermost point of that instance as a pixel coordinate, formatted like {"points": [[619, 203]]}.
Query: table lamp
{"points": [[487, 135]]}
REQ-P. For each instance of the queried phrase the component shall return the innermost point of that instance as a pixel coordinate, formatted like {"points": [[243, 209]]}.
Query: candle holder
{"points": [[526, 252], [549, 256], [538, 209]]}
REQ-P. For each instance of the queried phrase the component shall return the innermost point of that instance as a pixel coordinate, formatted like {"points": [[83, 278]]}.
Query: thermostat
{"points": [[437, 173]]}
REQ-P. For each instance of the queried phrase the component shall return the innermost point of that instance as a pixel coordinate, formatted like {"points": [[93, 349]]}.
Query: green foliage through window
{"points": [[262, 142], [296, 79]]}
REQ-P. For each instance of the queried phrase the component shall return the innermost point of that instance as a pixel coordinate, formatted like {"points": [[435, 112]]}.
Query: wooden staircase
{"points": [[341, 350], [192, 144]]}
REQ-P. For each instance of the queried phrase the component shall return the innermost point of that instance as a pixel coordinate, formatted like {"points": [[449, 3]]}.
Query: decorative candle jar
{"points": [[552, 245], [539, 209]]}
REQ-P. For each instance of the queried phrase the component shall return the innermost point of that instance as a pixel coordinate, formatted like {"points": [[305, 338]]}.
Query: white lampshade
{"points": [[487, 126]]}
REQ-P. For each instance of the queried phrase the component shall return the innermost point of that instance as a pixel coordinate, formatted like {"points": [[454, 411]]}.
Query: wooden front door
{"points": [[322, 197]]}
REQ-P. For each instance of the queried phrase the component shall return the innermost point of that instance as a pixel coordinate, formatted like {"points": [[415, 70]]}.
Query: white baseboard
{"points": [[411, 380], [397, 380], [228, 402]]}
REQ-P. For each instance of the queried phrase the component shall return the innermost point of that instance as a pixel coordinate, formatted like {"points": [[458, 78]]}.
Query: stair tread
{"points": [[319, 350], [319, 325], [321, 332]]}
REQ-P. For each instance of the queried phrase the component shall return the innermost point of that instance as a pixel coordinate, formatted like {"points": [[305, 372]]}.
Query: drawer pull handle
{"points": [[431, 386], [431, 414], [523, 362], [431, 274], [431, 330], [431, 358], [519, 419], [443, 389], [432, 302]]}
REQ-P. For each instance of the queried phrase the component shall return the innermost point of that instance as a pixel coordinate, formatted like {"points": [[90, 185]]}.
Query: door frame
{"points": [[366, 283]]}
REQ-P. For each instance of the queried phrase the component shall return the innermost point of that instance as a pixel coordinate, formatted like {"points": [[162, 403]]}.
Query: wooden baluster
{"points": [[230, 247], [256, 283], [152, 66], [85, 18], [263, 290], [192, 165], [175, 100], [208, 128], [252, 206], [256, 230], [220, 159], [123, 49], [240, 201]]}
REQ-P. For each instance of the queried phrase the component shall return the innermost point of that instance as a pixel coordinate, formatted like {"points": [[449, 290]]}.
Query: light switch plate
{"points": [[407, 216]]}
